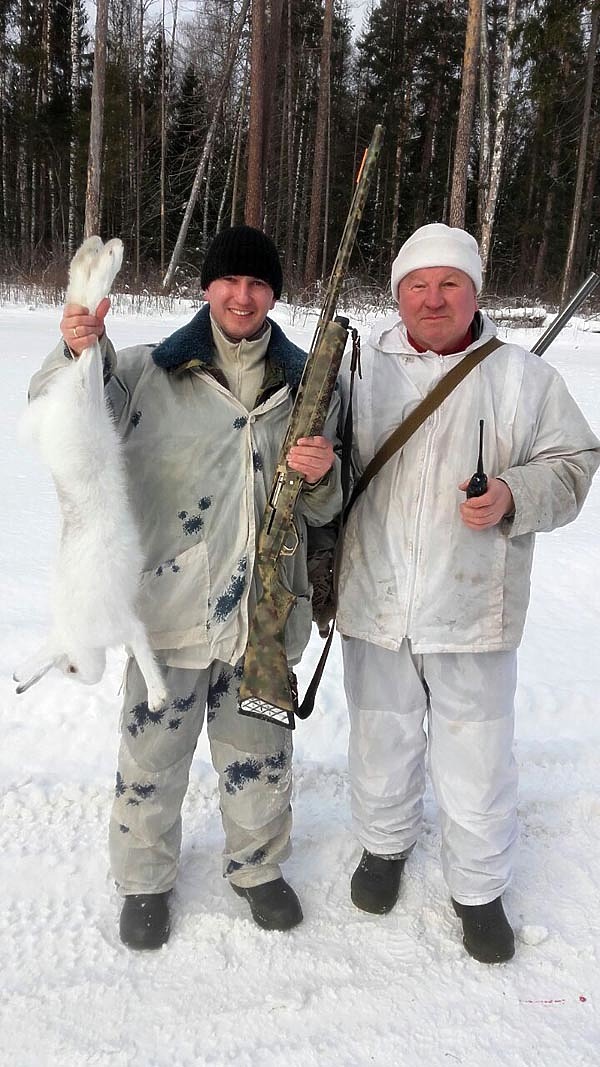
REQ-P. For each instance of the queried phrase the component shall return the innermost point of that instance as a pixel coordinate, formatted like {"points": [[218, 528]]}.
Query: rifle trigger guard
{"points": [[288, 550]]}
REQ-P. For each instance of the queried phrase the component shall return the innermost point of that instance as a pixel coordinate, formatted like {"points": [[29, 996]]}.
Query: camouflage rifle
{"points": [[266, 690]]}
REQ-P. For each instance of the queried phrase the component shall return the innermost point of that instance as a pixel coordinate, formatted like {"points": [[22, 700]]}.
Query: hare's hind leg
{"points": [[80, 270], [93, 270], [144, 656]]}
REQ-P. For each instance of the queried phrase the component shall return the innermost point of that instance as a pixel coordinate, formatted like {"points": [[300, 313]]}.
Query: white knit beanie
{"points": [[438, 245]]}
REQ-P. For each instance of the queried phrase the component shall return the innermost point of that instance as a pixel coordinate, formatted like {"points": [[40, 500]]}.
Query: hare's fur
{"points": [[100, 557]]}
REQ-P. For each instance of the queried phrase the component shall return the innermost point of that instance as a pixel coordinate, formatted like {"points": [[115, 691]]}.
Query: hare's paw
{"points": [[158, 697], [82, 265], [93, 270], [105, 270]]}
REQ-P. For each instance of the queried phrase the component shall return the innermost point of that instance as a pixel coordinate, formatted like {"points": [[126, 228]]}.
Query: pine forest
{"points": [[161, 123]]}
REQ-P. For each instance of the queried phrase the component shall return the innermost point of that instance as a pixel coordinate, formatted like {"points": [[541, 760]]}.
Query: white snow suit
{"points": [[445, 602]]}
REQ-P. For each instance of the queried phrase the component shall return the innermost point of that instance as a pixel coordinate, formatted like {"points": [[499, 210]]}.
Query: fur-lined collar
{"points": [[193, 342]]}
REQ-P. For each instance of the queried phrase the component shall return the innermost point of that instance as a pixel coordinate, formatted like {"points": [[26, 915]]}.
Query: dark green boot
{"points": [[375, 883], [487, 933]]}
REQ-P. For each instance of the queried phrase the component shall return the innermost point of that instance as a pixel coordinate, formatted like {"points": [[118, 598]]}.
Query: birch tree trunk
{"points": [[92, 196], [458, 196], [404, 62], [166, 76], [582, 157], [205, 213], [210, 136], [487, 224], [238, 154], [234, 158]]}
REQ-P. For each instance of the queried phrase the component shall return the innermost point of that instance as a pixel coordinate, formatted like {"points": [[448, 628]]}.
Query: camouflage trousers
{"points": [[253, 763]]}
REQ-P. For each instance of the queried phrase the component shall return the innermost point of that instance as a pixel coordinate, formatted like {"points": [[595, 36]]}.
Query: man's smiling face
{"points": [[437, 305], [239, 304]]}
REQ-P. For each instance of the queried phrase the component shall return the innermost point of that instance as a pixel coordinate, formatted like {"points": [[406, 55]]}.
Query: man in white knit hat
{"points": [[434, 584]]}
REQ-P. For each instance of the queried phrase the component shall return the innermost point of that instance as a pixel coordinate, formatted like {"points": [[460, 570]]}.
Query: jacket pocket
{"points": [[173, 599]]}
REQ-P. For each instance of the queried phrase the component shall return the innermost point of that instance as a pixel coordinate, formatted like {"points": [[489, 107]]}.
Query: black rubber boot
{"points": [[145, 920], [375, 883], [487, 933], [274, 905]]}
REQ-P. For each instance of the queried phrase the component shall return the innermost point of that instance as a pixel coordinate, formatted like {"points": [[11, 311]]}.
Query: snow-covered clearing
{"points": [[344, 989]]}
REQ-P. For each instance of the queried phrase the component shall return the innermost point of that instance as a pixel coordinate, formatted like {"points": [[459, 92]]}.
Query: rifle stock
{"points": [[266, 689]]}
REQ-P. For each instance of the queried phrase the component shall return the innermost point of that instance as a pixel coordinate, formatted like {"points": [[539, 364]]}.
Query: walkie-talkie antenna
{"points": [[480, 458], [479, 483]]}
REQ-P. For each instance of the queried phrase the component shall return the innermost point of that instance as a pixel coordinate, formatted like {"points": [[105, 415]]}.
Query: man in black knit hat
{"points": [[202, 417]]}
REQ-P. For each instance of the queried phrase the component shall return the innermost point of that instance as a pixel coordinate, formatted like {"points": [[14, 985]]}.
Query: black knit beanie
{"points": [[243, 250]]}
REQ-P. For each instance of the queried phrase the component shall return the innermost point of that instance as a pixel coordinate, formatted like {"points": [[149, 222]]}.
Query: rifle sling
{"points": [[390, 446]]}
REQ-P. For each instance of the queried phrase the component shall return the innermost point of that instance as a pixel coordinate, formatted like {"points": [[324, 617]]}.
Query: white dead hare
{"points": [[100, 558]]}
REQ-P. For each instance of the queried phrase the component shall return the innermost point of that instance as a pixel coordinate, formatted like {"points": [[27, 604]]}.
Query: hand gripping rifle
{"points": [[266, 690]]}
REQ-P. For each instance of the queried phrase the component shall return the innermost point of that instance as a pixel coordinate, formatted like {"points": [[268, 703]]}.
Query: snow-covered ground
{"points": [[344, 989]]}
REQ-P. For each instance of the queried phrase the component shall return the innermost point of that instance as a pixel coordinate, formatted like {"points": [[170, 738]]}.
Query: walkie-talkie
{"points": [[479, 483]]}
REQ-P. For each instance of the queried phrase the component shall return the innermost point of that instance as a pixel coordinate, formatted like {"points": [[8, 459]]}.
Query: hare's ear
{"points": [[33, 669]]}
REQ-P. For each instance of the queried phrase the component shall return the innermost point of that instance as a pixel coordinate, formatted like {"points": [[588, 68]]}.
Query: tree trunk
{"points": [[316, 200], [238, 153], [92, 196], [491, 199], [253, 212], [484, 118], [205, 213], [404, 94], [75, 88], [271, 63], [434, 112], [540, 262], [163, 142], [289, 230], [581, 159], [588, 200], [327, 185], [210, 136], [234, 158], [141, 143], [458, 196]]}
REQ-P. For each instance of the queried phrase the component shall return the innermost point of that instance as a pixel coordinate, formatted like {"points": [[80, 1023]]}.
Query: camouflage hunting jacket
{"points": [[199, 469]]}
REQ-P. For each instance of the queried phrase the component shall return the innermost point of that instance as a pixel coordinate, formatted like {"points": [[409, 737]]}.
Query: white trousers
{"points": [[467, 702]]}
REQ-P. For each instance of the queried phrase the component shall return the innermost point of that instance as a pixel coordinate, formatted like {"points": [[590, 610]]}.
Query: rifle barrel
{"points": [[561, 320], [367, 169]]}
